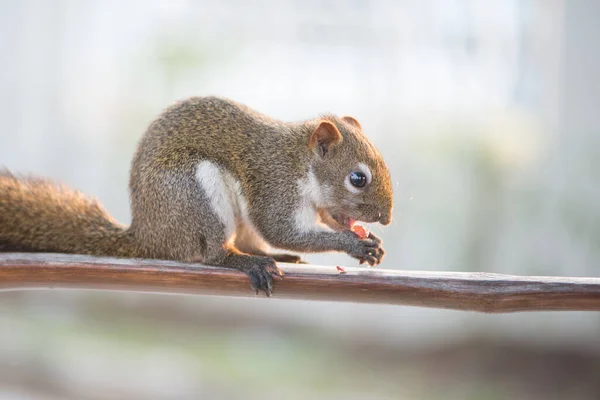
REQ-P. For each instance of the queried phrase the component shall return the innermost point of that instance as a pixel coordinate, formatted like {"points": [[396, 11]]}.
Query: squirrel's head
{"points": [[354, 179]]}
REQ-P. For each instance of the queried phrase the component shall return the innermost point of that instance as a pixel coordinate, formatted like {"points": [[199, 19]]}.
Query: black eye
{"points": [[358, 179]]}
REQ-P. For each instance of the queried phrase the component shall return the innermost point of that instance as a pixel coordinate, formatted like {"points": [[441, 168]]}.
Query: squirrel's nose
{"points": [[385, 218]]}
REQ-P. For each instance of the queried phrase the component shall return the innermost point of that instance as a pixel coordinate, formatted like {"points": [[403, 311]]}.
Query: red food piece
{"points": [[360, 231], [342, 270]]}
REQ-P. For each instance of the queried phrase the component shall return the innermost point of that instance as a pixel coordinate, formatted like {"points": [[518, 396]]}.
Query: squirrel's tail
{"points": [[37, 215]]}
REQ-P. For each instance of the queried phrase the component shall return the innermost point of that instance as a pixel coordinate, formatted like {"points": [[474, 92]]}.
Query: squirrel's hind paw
{"points": [[261, 275]]}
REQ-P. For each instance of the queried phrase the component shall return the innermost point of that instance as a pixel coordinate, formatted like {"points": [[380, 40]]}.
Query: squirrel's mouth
{"points": [[337, 221]]}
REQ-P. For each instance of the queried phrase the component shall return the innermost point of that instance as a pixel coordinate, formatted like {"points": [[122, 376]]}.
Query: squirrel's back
{"points": [[213, 128], [37, 215]]}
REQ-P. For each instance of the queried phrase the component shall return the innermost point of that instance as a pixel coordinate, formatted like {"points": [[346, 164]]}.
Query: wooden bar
{"points": [[481, 292]]}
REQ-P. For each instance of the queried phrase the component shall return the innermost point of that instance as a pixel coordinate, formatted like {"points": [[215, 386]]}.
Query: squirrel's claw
{"points": [[261, 276], [367, 250], [374, 257]]}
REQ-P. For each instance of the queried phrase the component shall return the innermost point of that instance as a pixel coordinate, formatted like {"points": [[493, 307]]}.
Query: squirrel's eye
{"points": [[358, 179]]}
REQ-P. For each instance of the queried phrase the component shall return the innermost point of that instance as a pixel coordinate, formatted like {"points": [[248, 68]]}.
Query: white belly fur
{"points": [[226, 200]]}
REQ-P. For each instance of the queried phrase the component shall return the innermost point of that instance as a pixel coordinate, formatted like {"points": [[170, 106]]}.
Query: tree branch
{"points": [[483, 292]]}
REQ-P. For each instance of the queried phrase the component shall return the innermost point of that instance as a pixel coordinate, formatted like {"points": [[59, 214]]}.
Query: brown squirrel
{"points": [[216, 182]]}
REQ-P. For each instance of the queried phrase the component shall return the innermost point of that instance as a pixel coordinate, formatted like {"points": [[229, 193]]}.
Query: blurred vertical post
{"points": [[579, 128], [581, 80]]}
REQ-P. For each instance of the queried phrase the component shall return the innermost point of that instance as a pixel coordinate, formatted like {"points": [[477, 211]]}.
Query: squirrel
{"points": [[216, 182]]}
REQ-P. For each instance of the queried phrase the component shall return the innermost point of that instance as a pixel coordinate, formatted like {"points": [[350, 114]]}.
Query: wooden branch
{"points": [[483, 292]]}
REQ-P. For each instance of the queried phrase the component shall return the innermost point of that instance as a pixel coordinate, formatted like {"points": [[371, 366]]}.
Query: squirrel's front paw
{"points": [[367, 250], [261, 274]]}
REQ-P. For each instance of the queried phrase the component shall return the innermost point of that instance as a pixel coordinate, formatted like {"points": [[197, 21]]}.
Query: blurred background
{"points": [[486, 111]]}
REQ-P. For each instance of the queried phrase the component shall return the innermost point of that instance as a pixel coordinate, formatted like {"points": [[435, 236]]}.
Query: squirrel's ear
{"points": [[352, 121], [326, 135]]}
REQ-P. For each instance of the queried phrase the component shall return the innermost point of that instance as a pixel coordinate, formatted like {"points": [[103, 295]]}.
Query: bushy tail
{"points": [[37, 215]]}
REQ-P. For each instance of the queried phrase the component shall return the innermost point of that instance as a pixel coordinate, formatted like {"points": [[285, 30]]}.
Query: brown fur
{"points": [[39, 215]]}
